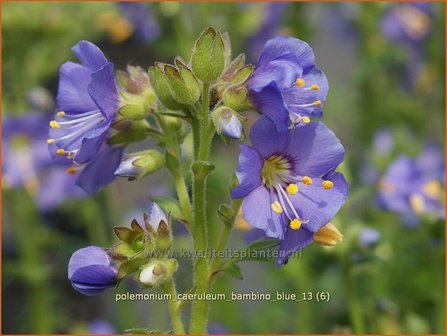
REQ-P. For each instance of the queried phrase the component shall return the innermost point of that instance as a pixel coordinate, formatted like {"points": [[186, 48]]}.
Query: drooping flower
{"points": [[91, 271], [288, 182], [88, 102], [286, 86], [415, 186], [26, 162]]}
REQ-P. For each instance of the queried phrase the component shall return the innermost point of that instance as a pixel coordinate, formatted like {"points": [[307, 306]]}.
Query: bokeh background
{"points": [[385, 66]]}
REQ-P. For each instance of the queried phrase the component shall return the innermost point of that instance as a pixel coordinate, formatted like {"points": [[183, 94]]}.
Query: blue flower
{"points": [[368, 237], [26, 162], [90, 271], [286, 86], [100, 327], [415, 186], [88, 101], [288, 182]]}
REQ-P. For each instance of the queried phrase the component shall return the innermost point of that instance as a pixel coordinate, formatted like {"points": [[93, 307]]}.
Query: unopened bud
{"points": [[153, 274], [208, 55], [138, 165], [328, 235], [227, 122], [183, 82], [162, 88], [236, 97]]}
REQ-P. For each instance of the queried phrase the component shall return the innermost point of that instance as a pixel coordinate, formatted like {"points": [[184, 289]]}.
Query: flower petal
{"points": [[90, 55], [281, 45], [72, 94], [100, 171], [294, 240], [96, 275], [89, 290], [103, 91], [90, 255], [318, 205], [156, 215], [266, 139], [257, 211], [269, 101], [248, 172], [315, 149]]}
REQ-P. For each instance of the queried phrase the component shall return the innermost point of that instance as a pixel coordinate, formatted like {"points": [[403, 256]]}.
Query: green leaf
{"points": [[233, 270], [168, 205]]}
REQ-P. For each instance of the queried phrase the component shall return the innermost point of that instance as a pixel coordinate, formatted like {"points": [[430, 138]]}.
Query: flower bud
{"points": [[137, 96], [128, 131], [328, 235], [227, 122], [236, 97], [208, 55], [153, 274], [157, 222], [91, 271], [183, 83], [162, 88], [138, 165]]}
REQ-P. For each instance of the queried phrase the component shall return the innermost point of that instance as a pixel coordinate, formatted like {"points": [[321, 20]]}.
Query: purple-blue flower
{"points": [[100, 327], [288, 182], [415, 186], [91, 271], [146, 28], [286, 86], [368, 237], [87, 101], [26, 162]]}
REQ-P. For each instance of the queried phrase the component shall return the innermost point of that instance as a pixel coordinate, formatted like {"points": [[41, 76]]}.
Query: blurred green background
{"points": [[377, 81]]}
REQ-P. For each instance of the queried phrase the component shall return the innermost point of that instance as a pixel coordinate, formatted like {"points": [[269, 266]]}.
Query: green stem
{"points": [[182, 191], [354, 306], [199, 309], [221, 244], [176, 318]]}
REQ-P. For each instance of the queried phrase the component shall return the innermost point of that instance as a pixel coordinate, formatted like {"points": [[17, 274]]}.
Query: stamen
{"points": [[54, 124], [306, 120], [317, 103], [314, 87], [432, 189], [71, 170], [60, 151], [328, 184], [295, 224], [300, 82], [277, 207], [50, 140], [60, 114], [307, 180], [292, 189]]}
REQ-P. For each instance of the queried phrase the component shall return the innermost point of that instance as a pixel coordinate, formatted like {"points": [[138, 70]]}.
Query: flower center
{"points": [[276, 169]]}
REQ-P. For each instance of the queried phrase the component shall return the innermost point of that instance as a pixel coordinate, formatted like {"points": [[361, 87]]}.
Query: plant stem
{"points": [[182, 191], [199, 309], [354, 306], [176, 318]]}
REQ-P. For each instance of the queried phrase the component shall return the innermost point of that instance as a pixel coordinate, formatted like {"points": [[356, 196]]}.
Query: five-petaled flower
{"points": [[289, 182], [415, 186], [91, 271], [88, 102], [286, 86]]}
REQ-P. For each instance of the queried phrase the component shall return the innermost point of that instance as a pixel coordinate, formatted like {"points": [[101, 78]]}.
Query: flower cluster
{"points": [[287, 176]]}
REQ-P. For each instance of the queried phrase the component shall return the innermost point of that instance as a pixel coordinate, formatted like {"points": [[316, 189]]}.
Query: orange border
{"points": [[326, 1]]}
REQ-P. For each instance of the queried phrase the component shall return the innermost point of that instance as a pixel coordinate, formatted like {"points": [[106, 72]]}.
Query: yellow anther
{"points": [[295, 224], [328, 235], [417, 203], [432, 189], [300, 82], [60, 114], [314, 87], [71, 170], [307, 180], [306, 120], [277, 207], [54, 124], [292, 189], [60, 151], [50, 141], [317, 103], [328, 184]]}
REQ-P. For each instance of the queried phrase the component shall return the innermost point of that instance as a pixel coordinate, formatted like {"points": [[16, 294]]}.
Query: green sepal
{"points": [[236, 97], [162, 88], [184, 85], [130, 266], [135, 131], [208, 55], [202, 168], [226, 214], [125, 249], [233, 270], [149, 162]]}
